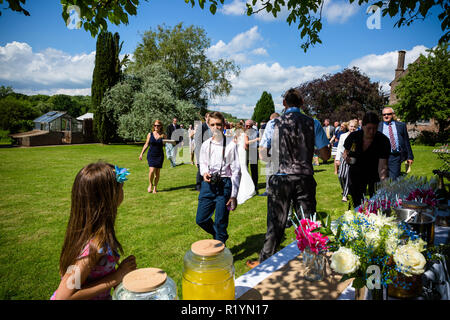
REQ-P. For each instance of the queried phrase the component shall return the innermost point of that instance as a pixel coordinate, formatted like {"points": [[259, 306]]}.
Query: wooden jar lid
{"points": [[144, 280], [207, 248]]}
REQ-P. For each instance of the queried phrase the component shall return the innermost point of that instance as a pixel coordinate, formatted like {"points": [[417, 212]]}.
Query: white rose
{"points": [[348, 216], [372, 238], [409, 260], [344, 261], [419, 244], [391, 245]]}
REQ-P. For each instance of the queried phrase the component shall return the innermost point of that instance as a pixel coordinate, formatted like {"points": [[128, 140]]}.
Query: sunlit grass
{"points": [[35, 185]]}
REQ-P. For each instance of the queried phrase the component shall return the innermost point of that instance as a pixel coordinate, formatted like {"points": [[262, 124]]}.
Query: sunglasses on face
{"points": [[387, 114], [157, 125]]}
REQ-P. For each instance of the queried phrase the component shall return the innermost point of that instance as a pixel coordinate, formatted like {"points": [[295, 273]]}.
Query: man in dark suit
{"points": [[398, 136], [171, 151]]}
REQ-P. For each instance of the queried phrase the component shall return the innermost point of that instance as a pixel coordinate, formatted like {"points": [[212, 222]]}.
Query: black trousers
{"points": [[254, 173], [301, 190], [198, 179], [358, 185]]}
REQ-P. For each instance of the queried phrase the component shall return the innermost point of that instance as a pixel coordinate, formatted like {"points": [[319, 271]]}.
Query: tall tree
{"points": [[341, 96], [106, 74], [424, 92], [264, 108], [136, 102], [182, 52]]}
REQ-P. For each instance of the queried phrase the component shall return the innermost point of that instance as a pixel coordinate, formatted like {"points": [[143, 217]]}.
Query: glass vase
{"points": [[314, 264]]}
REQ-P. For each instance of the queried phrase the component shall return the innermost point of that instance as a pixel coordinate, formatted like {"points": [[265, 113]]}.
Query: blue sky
{"points": [[39, 54]]}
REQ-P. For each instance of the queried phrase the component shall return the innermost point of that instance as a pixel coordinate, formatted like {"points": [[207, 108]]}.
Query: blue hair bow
{"points": [[121, 174]]}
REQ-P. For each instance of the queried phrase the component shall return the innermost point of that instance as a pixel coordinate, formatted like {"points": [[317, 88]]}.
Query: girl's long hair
{"points": [[95, 197]]}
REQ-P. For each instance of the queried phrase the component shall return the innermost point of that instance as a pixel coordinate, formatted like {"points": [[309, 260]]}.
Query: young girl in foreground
{"points": [[90, 252]]}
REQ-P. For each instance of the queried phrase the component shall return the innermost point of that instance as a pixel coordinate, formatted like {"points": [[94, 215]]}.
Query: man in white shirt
{"points": [[221, 172]]}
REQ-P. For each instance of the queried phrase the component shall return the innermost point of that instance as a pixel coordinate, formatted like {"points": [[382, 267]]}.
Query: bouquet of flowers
{"points": [[424, 196], [313, 244], [306, 238], [366, 242]]}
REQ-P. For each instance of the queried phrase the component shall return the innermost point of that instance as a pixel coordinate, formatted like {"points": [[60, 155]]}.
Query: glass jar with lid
{"points": [[208, 272], [146, 284]]}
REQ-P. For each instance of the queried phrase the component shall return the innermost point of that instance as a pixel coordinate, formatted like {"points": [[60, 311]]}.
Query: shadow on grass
{"points": [[190, 186], [252, 244]]}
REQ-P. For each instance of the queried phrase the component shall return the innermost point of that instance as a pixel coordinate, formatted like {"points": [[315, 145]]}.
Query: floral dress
{"points": [[106, 265]]}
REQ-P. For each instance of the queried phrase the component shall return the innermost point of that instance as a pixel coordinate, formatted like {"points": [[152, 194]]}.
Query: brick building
{"points": [[414, 129]]}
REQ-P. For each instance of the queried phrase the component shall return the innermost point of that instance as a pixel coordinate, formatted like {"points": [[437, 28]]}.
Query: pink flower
{"points": [[307, 239]]}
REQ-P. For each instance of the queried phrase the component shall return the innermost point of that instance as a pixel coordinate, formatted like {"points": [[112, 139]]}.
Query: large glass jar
{"points": [[208, 272], [146, 284]]}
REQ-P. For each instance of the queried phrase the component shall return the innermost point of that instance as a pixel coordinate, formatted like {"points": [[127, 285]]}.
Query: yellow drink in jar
{"points": [[208, 272], [210, 285]]}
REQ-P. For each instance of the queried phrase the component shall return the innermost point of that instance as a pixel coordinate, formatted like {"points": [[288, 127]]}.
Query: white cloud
{"points": [[339, 11], [53, 91], [24, 69], [382, 67], [238, 8], [260, 52], [273, 78], [240, 48]]}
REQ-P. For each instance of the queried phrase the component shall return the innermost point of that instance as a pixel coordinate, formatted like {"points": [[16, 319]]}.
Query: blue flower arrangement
{"points": [[121, 174]]}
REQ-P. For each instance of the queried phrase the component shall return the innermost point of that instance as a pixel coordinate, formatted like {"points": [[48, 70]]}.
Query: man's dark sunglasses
{"points": [[387, 114]]}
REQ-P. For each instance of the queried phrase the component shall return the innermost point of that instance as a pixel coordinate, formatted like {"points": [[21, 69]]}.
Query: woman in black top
{"points": [[367, 151]]}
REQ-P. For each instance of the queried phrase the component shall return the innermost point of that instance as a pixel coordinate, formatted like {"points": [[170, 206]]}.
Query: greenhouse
{"points": [[57, 121]]}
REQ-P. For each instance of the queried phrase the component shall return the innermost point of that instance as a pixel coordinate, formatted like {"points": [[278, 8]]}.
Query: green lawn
{"points": [[35, 186]]}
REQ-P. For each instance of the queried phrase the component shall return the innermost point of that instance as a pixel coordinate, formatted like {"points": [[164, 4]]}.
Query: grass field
{"points": [[35, 186]]}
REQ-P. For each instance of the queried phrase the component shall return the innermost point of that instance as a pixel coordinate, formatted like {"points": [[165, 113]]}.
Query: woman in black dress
{"points": [[367, 152], [155, 155]]}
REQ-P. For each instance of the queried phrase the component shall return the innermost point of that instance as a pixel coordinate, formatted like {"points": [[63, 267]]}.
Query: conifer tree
{"points": [[264, 108], [106, 74]]}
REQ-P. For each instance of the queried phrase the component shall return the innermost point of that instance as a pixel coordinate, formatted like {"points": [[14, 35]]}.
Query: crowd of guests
{"points": [[365, 152], [396, 150]]}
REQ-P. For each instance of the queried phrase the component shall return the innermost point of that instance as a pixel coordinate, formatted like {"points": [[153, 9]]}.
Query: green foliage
{"points": [[16, 114], [106, 74], [19, 110], [5, 91], [264, 108], [136, 102], [430, 138], [182, 52], [95, 14], [16, 5], [424, 92]]}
